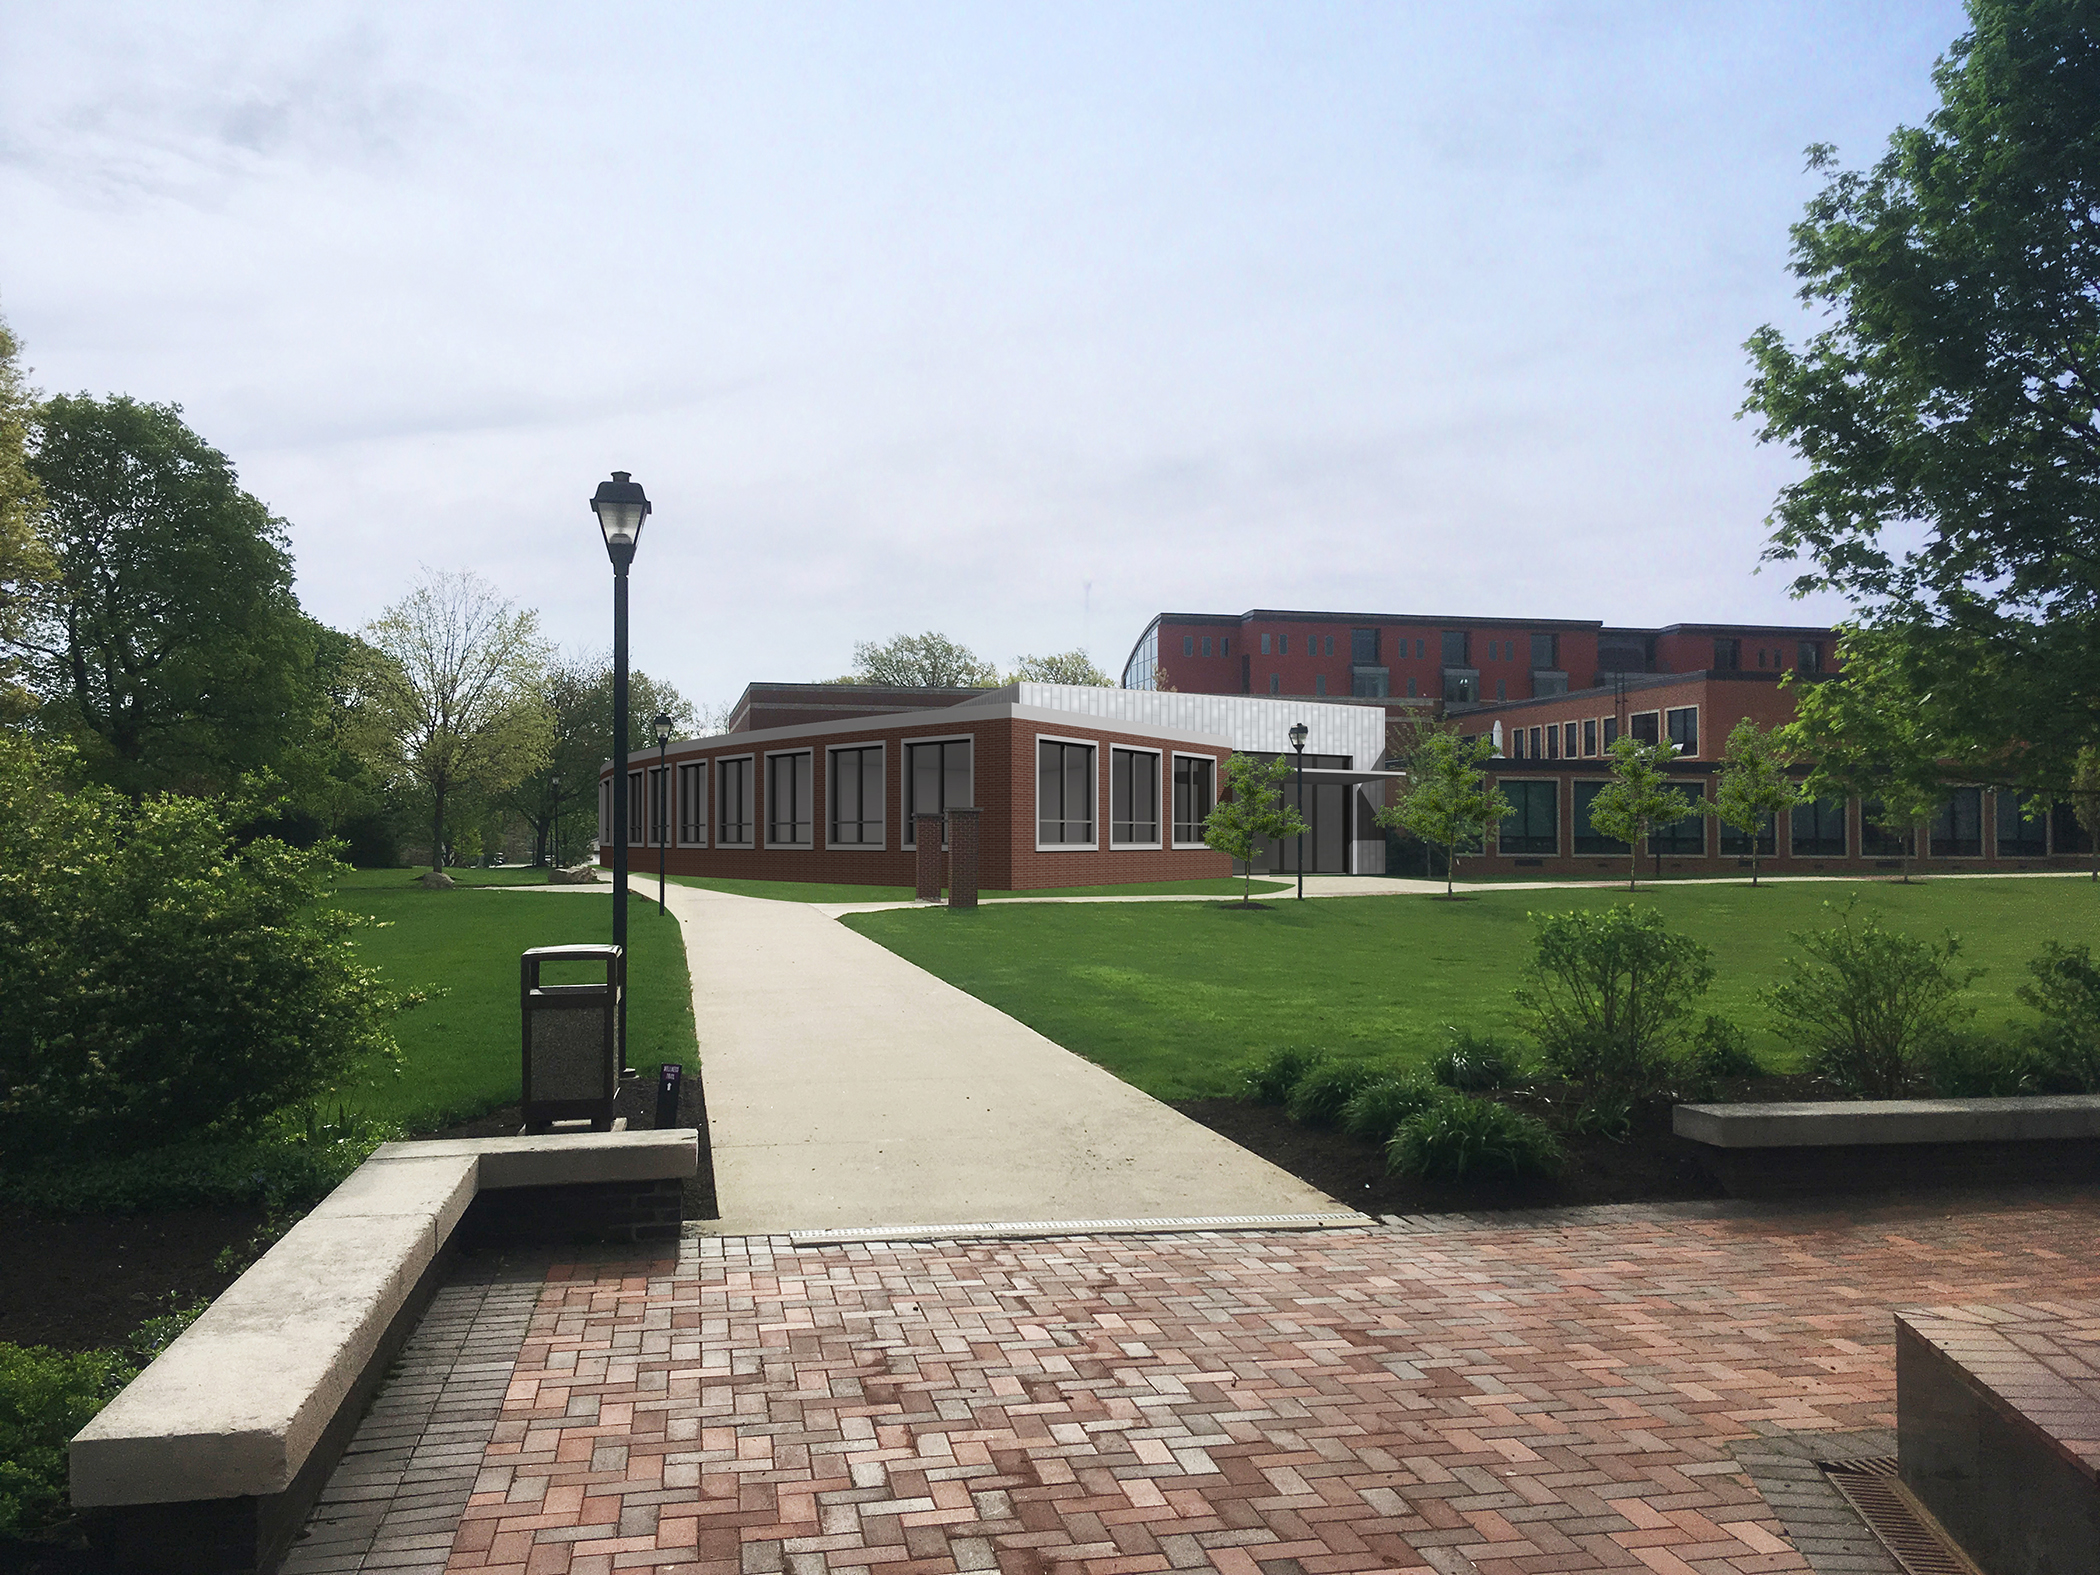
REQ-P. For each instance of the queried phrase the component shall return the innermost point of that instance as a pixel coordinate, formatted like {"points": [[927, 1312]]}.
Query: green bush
{"points": [[1473, 1064], [2065, 989], [1317, 1098], [164, 980], [1270, 1080], [1465, 1139], [1868, 1005], [276, 1176], [1968, 1066], [1609, 996], [1376, 1110], [46, 1397]]}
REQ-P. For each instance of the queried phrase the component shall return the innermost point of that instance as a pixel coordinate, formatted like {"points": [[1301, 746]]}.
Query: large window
{"points": [[1646, 727], [1957, 830], [1742, 845], [1611, 731], [605, 835], [1543, 654], [2018, 836], [1684, 729], [1728, 655], [1588, 839], [1194, 790], [1686, 838], [733, 803], [1133, 797], [856, 797], [790, 804], [1534, 824], [2065, 834], [936, 779], [1064, 793], [1589, 736], [692, 805], [1818, 829], [659, 805], [1878, 840], [637, 828]]}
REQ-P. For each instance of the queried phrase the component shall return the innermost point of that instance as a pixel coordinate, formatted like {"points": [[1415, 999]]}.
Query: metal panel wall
{"points": [[1251, 722]]}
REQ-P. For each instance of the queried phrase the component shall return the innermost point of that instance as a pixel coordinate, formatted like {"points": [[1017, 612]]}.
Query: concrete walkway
{"points": [[849, 1090]]}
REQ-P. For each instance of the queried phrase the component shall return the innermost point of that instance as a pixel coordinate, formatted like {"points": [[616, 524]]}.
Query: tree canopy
{"points": [[921, 661], [1063, 667], [26, 565], [1450, 801], [1638, 800]]}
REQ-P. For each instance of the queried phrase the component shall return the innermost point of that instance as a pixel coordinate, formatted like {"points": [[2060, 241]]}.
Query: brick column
{"points": [[927, 828], [962, 857]]}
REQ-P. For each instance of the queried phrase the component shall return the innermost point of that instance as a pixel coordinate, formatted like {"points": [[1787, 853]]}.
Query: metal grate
{"points": [[1914, 1539]]}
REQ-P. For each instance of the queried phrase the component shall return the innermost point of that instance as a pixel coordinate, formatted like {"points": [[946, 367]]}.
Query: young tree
{"points": [[921, 661], [1753, 785], [1450, 801], [456, 698], [26, 565], [1250, 813], [1638, 799], [1944, 416], [2085, 800], [1065, 667], [1867, 741]]}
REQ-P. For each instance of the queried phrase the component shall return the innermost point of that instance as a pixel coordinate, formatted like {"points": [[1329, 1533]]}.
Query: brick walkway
{"points": [[1567, 1392]]}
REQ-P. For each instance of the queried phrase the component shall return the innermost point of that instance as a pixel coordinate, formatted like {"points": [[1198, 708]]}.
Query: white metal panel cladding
{"points": [[1251, 722]]}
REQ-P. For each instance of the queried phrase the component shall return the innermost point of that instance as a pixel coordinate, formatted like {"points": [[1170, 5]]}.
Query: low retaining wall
{"points": [[1878, 1145], [209, 1459]]}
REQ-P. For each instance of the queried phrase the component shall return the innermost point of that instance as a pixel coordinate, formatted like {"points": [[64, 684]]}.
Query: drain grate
{"points": [[1914, 1539]]}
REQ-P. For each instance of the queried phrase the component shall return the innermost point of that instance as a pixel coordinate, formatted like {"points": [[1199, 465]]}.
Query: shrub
{"points": [[2065, 989], [1467, 1139], [1609, 993], [278, 1177], [1376, 1110], [1721, 1050], [1867, 1004], [46, 1397], [1473, 1065], [163, 980], [1270, 1080], [1318, 1097], [1966, 1066]]}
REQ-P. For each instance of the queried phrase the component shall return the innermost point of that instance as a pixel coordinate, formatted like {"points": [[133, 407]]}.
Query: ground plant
{"points": [[46, 1397], [1609, 996], [1473, 1063], [1317, 1099], [2064, 989], [1376, 1110], [1462, 1139], [1869, 1004], [1270, 1080]]}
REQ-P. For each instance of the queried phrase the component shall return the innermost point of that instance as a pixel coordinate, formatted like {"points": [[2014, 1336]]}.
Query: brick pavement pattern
{"points": [[1555, 1393]]}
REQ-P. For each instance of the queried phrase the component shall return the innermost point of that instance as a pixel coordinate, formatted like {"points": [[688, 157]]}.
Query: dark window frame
{"points": [[1588, 840], [908, 780], [692, 816], [1526, 800], [1065, 777], [836, 800], [738, 801], [1818, 812], [1192, 786], [1684, 734], [799, 814], [1122, 784]]}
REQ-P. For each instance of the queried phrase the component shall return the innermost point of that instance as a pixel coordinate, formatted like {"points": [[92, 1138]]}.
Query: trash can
{"points": [[571, 1038]]}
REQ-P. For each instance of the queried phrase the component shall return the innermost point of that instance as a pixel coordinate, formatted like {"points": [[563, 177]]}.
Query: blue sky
{"points": [[1018, 322]]}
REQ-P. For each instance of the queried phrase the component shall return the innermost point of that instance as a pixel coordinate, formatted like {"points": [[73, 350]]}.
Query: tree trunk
{"points": [[1450, 863], [437, 833]]}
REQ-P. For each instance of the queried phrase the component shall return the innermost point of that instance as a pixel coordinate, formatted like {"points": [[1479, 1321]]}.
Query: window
{"points": [[1684, 838], [1818, 829], [1534, 823], [1193, 799], [659, 805], [635, 825], [733, 803], [1363, 647], [856, 797], [1587, 838], [1275, 683], [1543, 653], [1064, 794], [2018, 836], [1458, 687], [1329, 642], [605, 835], [1225, 645], [1319, 683], [1455, 646], [1809, 657], [1283, 645], [1646, 727], [1957, 830], [1611, 731], [790, 808], [1133, 797], [1762, 653], [1568, 741], [1535, 751], [1878, 841], [1728, 655], [1501, 689], [1188, 645], [1683, 726], [1516, 743], [1553, 743], [1494, 651], [2065, 834], [1410, 689], [1421, 649], [1206, 645], [692, 805], [1742, 845], [1372, 684], [936, 780], [1265, 645], [1589, 736]]}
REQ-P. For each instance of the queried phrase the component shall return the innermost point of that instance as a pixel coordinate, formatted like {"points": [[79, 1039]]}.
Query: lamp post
{"points": [[660, 724], [1298, 735], [621, 506]]}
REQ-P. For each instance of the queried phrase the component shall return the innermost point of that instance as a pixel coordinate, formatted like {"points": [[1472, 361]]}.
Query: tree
{"points": [[1945, 414], [1753, 786], [1638, 800], [921, 661], [173, 648], [1065, 667], [1250, 813], [26, 565], [1609, 996], [1868, 741], [2085, 800], [455, 700], [1450, 801]]}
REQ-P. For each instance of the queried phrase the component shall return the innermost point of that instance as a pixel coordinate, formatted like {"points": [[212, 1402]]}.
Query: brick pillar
{"points": [[927, 828], [962, 857]]}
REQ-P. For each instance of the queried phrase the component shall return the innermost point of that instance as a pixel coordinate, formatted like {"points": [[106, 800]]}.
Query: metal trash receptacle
{"points": [[571, 1038]]}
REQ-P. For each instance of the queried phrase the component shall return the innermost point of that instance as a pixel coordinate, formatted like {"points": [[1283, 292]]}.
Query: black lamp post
{"points": [[1298, 735], [621, 506], [660, 724]]}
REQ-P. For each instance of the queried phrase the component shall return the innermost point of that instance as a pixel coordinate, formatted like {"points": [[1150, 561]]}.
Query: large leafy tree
{"points": [[921, 661], [1946, 412], [1638, 798], [1754, 785], [1251, 813], [173, 649], [1061, 667], [1869, 739], [1450, 800], [26, 565]]}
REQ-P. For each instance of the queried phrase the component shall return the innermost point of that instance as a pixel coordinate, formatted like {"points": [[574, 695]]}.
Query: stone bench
{"points": [[1998, 1431], [210, 1458], [1885, 1144]]}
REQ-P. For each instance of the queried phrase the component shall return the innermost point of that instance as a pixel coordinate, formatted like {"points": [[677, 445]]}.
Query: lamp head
{"points": [[661, 727], [621, 506], [1299, 734]]}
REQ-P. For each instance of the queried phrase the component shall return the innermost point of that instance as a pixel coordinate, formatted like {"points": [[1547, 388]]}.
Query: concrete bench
{"points": [[1880, 1144], [1998, 1430], [210, 1458]]}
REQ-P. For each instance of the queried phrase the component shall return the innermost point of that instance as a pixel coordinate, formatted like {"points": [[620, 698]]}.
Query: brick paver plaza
{"points": [[1540, 1393]]}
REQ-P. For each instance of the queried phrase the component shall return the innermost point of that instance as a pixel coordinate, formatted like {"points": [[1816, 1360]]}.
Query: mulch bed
{"points": [[92, 1279]]}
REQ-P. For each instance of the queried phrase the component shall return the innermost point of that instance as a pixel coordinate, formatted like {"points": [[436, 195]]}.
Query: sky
{"points": [[1019, 322]]}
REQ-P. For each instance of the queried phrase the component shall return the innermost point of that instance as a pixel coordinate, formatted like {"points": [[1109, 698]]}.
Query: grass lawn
{"points": [[1172, 996], [823, 891], [461, 1047]]}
